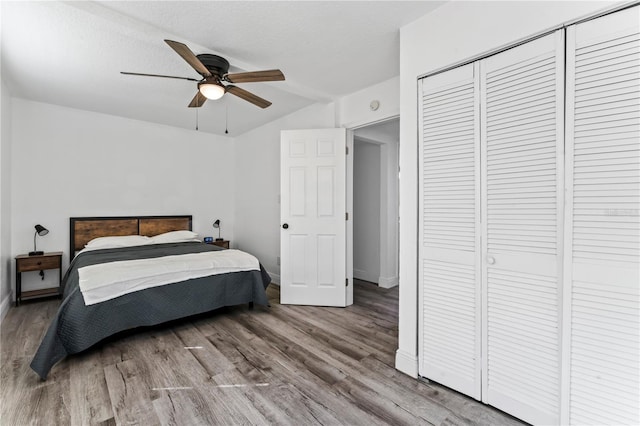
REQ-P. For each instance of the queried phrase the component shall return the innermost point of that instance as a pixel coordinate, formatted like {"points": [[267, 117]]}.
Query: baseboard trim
{"points": [[359, 274], [407, 363], [5, 305], [275, 278], [388, 282]]}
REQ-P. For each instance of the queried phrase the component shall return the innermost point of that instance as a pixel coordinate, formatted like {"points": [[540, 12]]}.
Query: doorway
{"points": [[376, 203]]}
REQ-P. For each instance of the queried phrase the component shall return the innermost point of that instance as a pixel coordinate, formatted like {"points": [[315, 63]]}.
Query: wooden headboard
{"points": [[84, 229]]}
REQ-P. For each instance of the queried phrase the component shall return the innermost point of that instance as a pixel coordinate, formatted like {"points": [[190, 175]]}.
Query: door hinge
{"points": [[346, 216], [347, 149], [346, 282]]}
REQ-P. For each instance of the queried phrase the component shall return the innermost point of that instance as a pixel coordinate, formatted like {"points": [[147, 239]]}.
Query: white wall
{"points": [[366, 211], [68, 162], [5, 201], [5, 194], [257, 212], [354, 110], [451, 33], [257, 171], [73, 144]]}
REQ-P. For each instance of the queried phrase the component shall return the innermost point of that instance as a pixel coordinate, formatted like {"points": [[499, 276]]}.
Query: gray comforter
{"points": [[77, 327]]}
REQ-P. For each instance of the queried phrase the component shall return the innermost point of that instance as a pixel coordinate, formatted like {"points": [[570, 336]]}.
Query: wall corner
{"points": [[5, 305]]}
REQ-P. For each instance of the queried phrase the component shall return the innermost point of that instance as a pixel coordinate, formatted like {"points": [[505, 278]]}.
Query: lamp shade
{"points": [[41, 230], [216, 225], [211, 90]]}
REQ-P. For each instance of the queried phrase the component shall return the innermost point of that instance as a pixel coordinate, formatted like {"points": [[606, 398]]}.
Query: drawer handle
{"points": [[39, 263]]}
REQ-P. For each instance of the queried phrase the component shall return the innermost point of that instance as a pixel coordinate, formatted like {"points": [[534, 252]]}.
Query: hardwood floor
{"points": [[285, 365]]}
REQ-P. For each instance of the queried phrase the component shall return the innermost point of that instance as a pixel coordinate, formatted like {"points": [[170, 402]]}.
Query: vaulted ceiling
{"points": [[71, 54]]}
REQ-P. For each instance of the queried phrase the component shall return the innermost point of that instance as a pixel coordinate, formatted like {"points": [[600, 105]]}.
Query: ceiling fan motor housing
{"points": [[217, 65]]}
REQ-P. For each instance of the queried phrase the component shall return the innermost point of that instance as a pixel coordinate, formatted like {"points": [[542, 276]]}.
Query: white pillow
{"points": [[175, 237], [118, 241]]}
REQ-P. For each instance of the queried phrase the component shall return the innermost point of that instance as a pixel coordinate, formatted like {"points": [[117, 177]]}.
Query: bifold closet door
{"points": [[602, 279], [449, 299], [522, 117]]}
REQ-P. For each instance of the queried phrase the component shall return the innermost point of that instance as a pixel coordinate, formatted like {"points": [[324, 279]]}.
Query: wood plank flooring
{"points": [[284, 365]]}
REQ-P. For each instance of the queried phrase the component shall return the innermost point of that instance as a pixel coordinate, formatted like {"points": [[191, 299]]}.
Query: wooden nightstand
{"points": [[25, 263], [223, 243]]}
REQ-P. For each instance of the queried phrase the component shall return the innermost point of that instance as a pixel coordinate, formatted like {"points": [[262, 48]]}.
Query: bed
{"points": [[78, 326]]}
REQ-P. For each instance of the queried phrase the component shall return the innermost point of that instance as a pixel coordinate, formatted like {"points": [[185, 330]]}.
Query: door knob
{"points": [[285, 226], [491, 260]]}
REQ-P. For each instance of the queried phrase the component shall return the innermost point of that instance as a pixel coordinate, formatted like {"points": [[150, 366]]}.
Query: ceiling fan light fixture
{"points": [[211, 90]]}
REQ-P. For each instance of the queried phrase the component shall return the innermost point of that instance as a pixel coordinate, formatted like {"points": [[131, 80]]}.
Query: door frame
{"points": [[351, 128]]}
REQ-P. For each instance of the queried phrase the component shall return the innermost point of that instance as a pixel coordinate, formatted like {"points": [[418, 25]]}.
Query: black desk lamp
{"points": [[216, 225], [42, 231]]}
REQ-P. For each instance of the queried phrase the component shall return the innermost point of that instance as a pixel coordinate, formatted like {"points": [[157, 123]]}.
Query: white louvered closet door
{"points": [[449, 300], [522, 172], [602, 309]]}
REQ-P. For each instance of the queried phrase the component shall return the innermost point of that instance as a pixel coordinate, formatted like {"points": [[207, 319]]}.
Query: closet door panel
{"points": [[449, 301], [602, 293], [522, 137]]}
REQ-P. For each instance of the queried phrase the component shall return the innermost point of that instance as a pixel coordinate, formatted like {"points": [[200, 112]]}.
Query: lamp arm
{"points": [[34, 241]]}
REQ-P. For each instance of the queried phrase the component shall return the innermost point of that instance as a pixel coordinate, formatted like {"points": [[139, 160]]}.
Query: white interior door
{"points": [[602, 273], [449, 275], [313, 213], [522, 185]]}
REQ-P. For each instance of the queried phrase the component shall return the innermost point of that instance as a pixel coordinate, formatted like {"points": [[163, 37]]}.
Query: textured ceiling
{"points": [[71, 54]]}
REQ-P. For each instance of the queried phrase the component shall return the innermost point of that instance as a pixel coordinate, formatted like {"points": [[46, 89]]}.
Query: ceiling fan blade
{"points": [[254, 76], [198, 100], [158, 75], [248, 96], [186, 53]]}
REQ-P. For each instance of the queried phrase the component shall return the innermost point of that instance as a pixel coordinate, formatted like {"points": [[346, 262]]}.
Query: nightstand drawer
{"points": [[38, 263], [220, 243]]}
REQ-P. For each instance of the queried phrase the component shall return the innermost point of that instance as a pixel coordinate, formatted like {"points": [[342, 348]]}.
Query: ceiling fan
{"points": [[214, 71]]}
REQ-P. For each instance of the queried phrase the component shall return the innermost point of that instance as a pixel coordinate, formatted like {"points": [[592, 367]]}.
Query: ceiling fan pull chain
{"points": [[226, 120], [196, 119]]}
